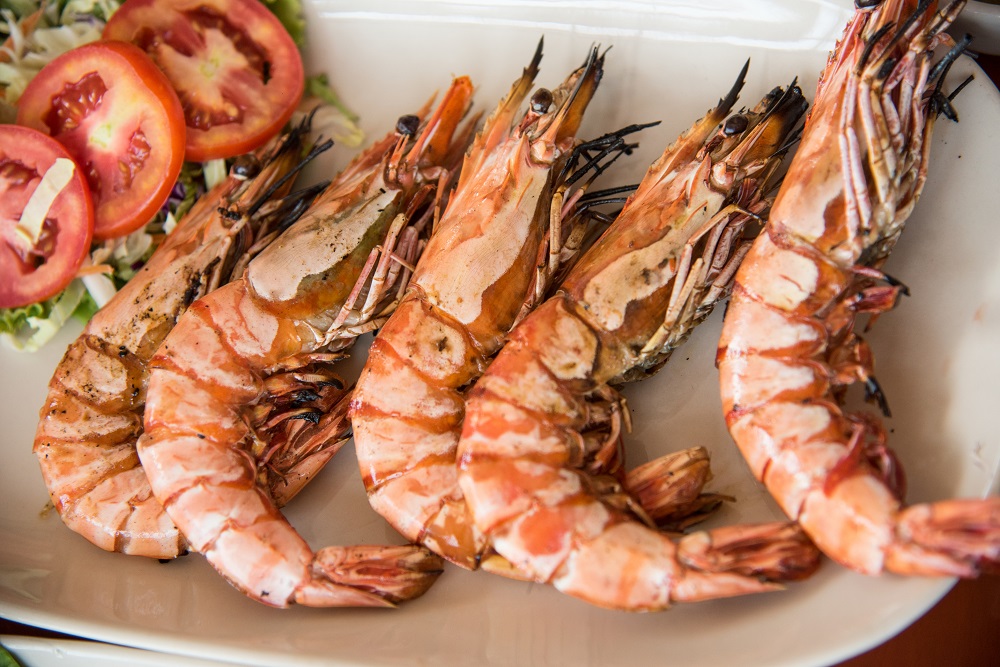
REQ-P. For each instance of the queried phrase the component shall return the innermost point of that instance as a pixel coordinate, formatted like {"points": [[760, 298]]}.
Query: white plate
{"points": [[938, 361], [982, 21], [36, 652]]}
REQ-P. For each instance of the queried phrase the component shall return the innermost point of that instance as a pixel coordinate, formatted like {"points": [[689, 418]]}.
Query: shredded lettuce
{"points": [[20, 8], [331, 116], [28, 329], [86, 309], [6, 659], [32, 45], [13, 320], [75, 10], [100, 287], [187, 189], [216, 171]]}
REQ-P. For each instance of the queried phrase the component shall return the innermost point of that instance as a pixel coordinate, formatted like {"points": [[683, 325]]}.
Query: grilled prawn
{"points": [[490, 260], [789, 344], [92, 416], [243, 381], [526, 465]]}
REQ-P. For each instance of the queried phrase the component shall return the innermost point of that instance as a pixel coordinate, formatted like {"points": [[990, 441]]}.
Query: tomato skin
{"points": [[25, 156], [237, 71], [120, 119]]}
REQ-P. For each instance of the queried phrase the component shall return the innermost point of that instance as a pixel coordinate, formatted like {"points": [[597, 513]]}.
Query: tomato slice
{"points": [[236, 70], [46, 217], [119, 117]]}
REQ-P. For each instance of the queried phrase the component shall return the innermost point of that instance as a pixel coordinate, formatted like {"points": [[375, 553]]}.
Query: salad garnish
{"points": [[33, 33]]}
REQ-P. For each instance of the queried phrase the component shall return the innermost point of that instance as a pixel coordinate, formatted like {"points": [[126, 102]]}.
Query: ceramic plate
{"points": [[982, 21], [36, 652], [937, 360]]}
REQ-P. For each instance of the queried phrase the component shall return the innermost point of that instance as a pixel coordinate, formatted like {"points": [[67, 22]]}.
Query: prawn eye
{"points": [[407, 125], [866, 4], [245, 166], [773, 96], [735, 124], [541, 100]]}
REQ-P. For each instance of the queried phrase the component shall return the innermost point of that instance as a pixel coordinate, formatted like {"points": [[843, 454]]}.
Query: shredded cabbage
{"points": [[331, 117], [57, 31], [215, 172], [28, 329]]}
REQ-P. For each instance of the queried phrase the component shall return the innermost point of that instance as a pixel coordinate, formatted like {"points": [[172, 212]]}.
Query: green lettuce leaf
{"points": [[20, 8], [332, 117], [15, 319], [28, 329], [6, 659]]}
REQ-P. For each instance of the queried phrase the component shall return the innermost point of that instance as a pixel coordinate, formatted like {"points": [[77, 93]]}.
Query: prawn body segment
{"points": [[789, 345], [243, 405], [527, 465]]}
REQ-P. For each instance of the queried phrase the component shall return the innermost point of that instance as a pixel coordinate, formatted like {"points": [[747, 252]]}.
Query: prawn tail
{"points": [[388, 574], [735, 560], [947, 538], [670, 489]]}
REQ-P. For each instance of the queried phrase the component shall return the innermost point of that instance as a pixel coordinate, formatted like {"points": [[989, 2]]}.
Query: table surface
{"points": [[962, 630]]}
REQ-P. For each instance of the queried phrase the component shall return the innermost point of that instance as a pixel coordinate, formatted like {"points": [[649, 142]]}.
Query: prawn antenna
{"points": [[313, 153], [612, 143]]}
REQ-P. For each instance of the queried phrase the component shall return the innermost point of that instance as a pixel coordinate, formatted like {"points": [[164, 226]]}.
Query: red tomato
{"points": [[119, 117], [31, 269], [236, 70]]}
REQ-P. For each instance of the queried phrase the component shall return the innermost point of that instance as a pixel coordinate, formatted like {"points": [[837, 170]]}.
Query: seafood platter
{"points": [[455, 390]]}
